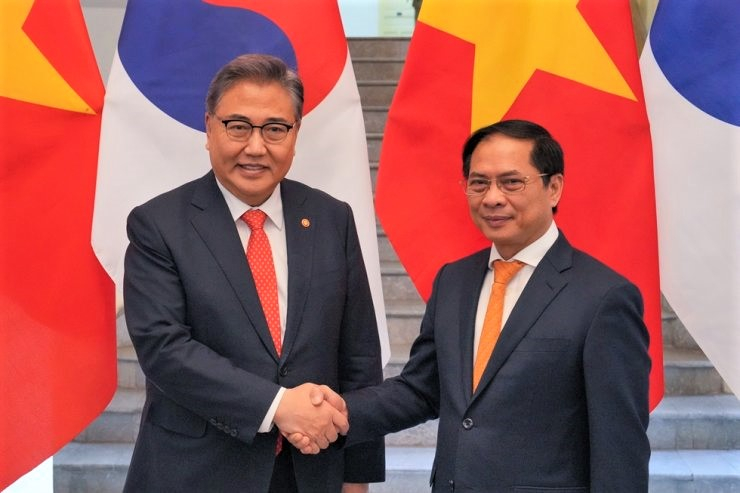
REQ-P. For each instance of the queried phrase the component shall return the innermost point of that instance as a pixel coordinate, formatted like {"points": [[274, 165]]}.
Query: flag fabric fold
{"points": [[57, 316], [691, 74], [153, 127], [569, 66]]}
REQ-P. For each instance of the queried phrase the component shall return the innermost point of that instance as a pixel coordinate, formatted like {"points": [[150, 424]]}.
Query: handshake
{"points": [[311, 417]]}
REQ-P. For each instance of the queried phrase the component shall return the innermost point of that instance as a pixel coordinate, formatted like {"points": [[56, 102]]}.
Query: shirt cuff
{"points": [[267, 423]]}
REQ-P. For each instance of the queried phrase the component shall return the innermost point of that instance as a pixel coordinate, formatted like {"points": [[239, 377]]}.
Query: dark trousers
{"points": [[283, 477]]}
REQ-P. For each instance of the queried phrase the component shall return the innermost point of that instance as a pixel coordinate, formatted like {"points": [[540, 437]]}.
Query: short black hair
{"points": [[547, 155]]}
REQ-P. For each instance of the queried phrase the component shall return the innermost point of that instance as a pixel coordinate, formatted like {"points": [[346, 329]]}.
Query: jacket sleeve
{"points": [[616, 369], [408, 399], [360, 358]]}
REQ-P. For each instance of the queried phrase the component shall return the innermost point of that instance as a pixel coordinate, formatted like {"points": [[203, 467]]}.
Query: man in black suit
{"points": [[562, 403], [219, 387]]}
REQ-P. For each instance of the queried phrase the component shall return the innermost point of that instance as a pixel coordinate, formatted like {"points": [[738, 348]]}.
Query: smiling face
{"points": [[251, 169], [511, 221]]}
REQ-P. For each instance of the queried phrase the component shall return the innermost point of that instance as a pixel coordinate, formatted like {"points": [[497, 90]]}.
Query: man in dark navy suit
{"points": [[561, 405], [220, 387]]}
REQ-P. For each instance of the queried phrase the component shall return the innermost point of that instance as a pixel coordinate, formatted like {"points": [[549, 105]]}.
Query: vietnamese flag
{"points": [[570, 66], [57, 314]]}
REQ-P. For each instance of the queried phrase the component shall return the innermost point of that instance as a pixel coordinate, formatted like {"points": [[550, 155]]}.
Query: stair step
{"points": [[375, 118], [130, 375], [423, 435], [92, 467], [696, 422], [374, 142], [397, 284], [122, 336], [385, 250], [372, 68], [386, 47], [673, 471], [689, 372], [376, 92], [119, 423], [408, 470], [404, 321], [101, 468]]}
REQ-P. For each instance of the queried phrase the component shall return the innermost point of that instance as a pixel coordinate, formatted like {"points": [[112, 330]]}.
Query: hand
{"points": [[355, 488], [302, 443], [318, 395], [309, 410]]}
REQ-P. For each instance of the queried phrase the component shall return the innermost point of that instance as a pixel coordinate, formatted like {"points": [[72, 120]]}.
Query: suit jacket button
{"points": [[467, 423], [284, 371]]}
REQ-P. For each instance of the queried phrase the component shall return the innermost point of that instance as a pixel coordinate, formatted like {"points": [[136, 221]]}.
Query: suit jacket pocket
{"points": [[173, 417]]}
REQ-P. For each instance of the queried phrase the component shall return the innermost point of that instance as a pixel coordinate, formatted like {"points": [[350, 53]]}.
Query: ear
{"points": [[207, 121], [555, 189]]}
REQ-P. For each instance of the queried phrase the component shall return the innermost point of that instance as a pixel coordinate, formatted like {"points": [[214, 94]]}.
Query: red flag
{"points": [[57, 314], [569, 66]]}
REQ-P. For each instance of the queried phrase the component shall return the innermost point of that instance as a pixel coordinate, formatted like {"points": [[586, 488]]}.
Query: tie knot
{"points": [[254, 218], [504, 271]]}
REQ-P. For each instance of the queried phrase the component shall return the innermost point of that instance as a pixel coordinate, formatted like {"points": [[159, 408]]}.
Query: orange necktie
{"points": [[259, 256], [502, 274]]}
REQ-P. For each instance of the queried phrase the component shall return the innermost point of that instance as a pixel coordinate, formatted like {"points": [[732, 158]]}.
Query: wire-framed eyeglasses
{"points": [[241, 130], [478, 185]]}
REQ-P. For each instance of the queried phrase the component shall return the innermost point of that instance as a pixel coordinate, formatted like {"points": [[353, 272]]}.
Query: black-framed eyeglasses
{"points": [[241, 130], [477, 185]]}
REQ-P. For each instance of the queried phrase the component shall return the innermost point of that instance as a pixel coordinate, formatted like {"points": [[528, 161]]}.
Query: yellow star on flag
{"points": [[514, 38], [26, 73]]}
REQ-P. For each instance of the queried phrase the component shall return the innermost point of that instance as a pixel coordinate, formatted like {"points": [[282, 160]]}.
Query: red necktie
{"points": [[502, 274], [259, 256]]}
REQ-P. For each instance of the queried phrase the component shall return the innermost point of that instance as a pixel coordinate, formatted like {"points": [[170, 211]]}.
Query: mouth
{"points": [[252, 168], [496, 221]]}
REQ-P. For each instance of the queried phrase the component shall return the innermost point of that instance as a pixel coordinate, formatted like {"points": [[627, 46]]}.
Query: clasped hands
{"points": [[311, 417]]}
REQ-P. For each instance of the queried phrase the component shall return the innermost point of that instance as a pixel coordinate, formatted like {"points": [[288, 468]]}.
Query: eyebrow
{"points": [[237, 116], [504, 174]]}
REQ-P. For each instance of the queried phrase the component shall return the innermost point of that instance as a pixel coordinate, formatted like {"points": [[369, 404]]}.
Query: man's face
{"points": [[515, 220], [251, 169]]}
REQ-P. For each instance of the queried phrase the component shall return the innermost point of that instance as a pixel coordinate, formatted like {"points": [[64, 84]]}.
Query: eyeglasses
{"points": [[272, 133], [476, 185]]}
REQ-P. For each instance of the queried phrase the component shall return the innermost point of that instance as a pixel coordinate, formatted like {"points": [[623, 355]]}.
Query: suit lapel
{"points": [[214, 225], [547, 281], [469, 295], [300, 224]]}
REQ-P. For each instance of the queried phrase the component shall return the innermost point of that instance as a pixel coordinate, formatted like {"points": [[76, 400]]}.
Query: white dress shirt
{"points": [[274, 228], [530, 256]]}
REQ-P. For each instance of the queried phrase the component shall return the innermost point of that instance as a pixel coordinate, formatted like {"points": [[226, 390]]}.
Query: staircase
{"points": [[694, 432]]}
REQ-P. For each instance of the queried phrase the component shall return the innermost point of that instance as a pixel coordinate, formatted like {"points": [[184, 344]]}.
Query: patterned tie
{"points": [[259, 256], [502, 274]]}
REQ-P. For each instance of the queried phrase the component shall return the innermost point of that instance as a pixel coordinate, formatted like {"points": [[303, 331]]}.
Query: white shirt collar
{"points": [[273, 206], [533, 253]]}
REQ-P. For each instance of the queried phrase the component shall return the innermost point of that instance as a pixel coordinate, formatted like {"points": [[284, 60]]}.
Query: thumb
{"points": [[317, 396]]}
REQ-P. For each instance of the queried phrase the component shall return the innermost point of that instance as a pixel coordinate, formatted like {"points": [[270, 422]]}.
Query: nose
{"points": [[255, 144], [493, 196]]}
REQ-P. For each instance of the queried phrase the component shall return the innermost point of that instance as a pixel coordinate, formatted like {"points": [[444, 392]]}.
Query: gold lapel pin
{"points": [[305, 222]]}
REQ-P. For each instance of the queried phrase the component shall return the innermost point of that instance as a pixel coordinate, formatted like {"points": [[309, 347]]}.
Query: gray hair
{"points": [[260, 69]]}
